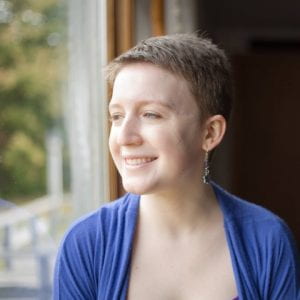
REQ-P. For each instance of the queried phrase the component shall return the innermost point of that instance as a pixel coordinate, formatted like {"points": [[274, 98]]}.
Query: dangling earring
{"points": [[205, 176]]}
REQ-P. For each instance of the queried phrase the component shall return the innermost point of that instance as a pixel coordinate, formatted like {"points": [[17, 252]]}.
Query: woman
{"points": [[175, 235]]}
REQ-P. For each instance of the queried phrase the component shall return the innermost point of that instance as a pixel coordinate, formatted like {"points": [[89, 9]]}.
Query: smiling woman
{"points": [[173, 235], [167, 158]]}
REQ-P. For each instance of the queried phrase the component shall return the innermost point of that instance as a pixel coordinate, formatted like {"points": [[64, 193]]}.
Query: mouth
{"points": [[138, 161]]}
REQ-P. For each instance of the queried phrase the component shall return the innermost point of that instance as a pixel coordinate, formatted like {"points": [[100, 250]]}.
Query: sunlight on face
{"points": [[155, 138]]}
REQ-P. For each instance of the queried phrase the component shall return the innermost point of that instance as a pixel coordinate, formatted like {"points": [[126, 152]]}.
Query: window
{"points": [[53, 132]]}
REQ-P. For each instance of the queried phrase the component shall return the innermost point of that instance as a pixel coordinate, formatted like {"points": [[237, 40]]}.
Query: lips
{"points": [[137, 161]]}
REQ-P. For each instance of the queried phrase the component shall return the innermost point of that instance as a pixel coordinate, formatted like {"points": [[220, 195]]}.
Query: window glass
{"points": [[33, 156]]}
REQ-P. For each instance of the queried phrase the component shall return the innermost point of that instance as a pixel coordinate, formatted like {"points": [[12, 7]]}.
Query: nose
{"points": [[129, 133]]}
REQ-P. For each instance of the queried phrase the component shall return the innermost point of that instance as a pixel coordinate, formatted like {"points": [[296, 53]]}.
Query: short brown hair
{"points": [[200, 62]]}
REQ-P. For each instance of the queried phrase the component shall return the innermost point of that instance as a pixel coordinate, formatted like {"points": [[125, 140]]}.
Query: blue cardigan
{"points": [[94, 257]]}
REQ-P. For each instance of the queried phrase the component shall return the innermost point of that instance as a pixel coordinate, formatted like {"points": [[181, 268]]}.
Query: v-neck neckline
{"points": [[219, 194]]}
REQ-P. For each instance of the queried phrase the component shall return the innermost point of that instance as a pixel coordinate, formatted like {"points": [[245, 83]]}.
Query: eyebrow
{"points": [[148, 102]]}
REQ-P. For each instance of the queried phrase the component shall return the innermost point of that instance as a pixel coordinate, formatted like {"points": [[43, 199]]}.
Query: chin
{"points": [[137, 188], [134, 189]]}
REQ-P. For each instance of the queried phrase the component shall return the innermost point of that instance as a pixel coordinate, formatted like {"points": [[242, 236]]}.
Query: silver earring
{"points": [[205, 176]]}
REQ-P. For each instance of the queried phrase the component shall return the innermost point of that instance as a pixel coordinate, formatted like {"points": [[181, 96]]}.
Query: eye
{"points": [[151, 115], [115, 117]]}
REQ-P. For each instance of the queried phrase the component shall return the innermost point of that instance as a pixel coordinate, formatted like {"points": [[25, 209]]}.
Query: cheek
{"points": [[112, 145], [172, 145], [185, 144], [182, 138]]}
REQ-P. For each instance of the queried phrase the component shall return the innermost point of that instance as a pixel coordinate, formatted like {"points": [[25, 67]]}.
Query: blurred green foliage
{"points": [[32, 72]]}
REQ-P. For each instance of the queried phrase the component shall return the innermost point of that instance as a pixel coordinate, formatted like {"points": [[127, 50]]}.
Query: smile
{"points": [[139, 161]]}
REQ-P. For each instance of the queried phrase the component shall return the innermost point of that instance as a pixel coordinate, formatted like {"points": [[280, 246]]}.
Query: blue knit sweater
{"points": [[94, 258]]}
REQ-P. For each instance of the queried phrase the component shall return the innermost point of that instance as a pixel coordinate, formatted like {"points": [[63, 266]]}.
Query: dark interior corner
{"points": [[260, 157]]}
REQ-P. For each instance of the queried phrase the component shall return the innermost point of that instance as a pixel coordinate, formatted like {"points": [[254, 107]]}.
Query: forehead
{"points": [[148, 82], [147, 74]]}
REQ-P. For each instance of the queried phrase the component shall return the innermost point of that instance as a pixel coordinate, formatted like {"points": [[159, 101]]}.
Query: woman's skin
{"points": [[158, 143]]}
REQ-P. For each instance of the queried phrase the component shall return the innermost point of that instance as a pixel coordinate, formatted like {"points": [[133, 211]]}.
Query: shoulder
{"points": [[92, 224], [89, 245], [240, 211], [256, 227], [264, 245]]}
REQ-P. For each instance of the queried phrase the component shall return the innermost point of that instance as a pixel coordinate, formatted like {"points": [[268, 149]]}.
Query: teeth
{"points": [[138, 161]]}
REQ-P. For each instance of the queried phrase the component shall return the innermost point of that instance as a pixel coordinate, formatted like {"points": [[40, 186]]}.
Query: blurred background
{"points": [[54, 161]]}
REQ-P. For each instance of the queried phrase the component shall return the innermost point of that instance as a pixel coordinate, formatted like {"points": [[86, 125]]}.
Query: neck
{"points": [[180, 212]]}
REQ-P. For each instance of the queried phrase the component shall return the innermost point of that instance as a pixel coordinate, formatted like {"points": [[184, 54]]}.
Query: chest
{"points": [[190, 269]]}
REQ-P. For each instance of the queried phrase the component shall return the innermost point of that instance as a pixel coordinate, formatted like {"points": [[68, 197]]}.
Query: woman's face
{"points": [[155, 139]]}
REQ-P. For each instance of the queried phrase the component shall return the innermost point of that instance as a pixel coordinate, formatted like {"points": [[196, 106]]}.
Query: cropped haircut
{"points": [[201, 63]]}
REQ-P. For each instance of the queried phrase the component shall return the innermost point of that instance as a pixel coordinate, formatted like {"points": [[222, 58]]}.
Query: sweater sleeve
{"points": [[283, 270], [93, 259], [74, 275]]}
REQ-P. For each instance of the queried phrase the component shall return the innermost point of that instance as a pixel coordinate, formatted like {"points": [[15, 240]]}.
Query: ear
{"points": [[214, 130]]}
